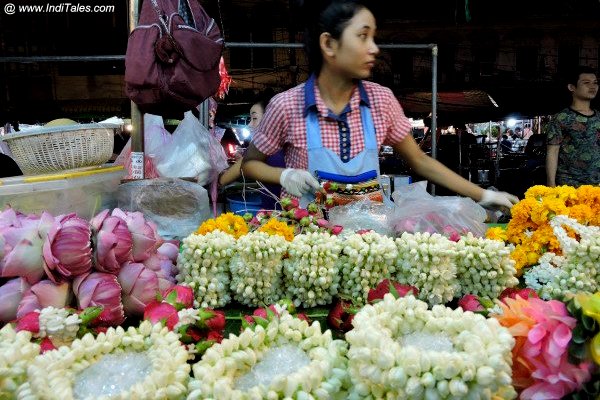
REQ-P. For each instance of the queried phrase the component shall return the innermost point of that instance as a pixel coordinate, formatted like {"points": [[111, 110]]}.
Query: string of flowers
{"points": [[311, 272], [401, 349], [53, 375], [256, 268], [542, 330], [224, 365], [529, 228], [366, 259], [229, 223], [204, 266], [427, 262], [16, 353], [484, 267]]}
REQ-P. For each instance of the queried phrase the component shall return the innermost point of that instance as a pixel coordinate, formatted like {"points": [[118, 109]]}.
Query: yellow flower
{"points": [[581, 212], [538, 191], [276, 227], [497, 233], [590, 304], [227, 223], [595, 348]]}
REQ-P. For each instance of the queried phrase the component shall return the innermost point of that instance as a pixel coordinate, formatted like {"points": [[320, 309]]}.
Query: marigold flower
{"points": [[227, 223], [276, 227]]}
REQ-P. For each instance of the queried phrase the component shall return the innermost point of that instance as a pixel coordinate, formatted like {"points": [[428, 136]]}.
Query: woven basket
{"points": [[62, 147]]}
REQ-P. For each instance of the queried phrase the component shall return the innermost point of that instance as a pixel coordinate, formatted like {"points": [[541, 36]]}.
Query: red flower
{"points": [[383, 288], [29, 322], [217, 322], [341, 315], [512, 293], [303, 317], [470, 302], [180, 296], [214, 336], [46, 345], [157, 312]]}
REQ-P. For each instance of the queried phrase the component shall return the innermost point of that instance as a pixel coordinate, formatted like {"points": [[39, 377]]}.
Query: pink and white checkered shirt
{"points": [[284, 125]]}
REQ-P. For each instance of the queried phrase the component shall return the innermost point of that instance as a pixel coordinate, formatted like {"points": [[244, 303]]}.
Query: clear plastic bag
{"points": [[418, 211], [176, 206], [363, 214]]}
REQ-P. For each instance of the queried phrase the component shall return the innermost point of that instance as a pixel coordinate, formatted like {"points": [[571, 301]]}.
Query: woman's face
{"points": [[355, 51], [256, 114]]}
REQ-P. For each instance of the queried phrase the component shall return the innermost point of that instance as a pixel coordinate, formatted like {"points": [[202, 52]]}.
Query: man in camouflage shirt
{"points": [[573, 156]]}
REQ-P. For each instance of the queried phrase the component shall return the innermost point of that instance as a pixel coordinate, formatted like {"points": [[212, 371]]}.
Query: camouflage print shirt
{"points": [[579, 156]]}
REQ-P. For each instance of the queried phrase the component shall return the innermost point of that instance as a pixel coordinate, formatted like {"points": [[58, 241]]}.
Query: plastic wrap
{"points": [[176, 206], [363, 214], [452, 216]]}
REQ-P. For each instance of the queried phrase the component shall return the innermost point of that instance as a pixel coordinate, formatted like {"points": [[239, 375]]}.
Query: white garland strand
{"points": [[324, 378], [427, 261], [366, 260], [204, 266], [58, 323], [52, 375], [16, 353], [381, 366], [484, 267], [579, 269], [311, 272], [256, 268]]}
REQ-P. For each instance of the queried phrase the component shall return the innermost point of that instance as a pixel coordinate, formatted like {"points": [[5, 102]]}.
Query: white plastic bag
{"points": [[363, 214], [452, 216]]}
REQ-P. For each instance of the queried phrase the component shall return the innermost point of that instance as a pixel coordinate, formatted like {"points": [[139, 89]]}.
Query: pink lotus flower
{"points": [[470, 302], [143, 232], [140, 287], [11, 294], [384, 288], [179, 296], [45, 294], [156, 312], [22, 245], [100, 289], [524, 293], [29, 322], [451, 233], [322, 223], [114, 242], [163, 264], [67, 250]]}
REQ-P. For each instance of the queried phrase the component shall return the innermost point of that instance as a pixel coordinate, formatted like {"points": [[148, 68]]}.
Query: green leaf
{"points": [[270, 313], [261, 321], [393, 290], [588, 322], [579, 351], [204, 345], [90, 314], [579, 334], [172, 297], [487, 303]]}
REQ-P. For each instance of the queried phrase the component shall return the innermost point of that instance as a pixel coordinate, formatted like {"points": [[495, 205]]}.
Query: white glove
{"points": [[491, 198], [298, 181]]}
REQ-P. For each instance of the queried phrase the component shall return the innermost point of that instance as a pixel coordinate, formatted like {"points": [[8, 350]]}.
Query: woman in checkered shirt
{"points": [[332, 126]]}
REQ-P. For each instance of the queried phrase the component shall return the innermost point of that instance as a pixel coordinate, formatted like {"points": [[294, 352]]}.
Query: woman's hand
{"points": [[298, 181], [491, 198]]}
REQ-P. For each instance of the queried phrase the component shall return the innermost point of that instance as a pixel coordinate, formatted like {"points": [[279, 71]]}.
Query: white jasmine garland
{"points": [[381, 366], [256, 268], [204, 266], [16, 352], [311, 272], [540, 276], [427, 261], [579, 268], [52, 375], [215, 376], [187, 316], [366, 260], [484, 267], [58, 323]]}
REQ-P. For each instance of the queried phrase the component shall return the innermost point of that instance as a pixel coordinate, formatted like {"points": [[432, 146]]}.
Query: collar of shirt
{"points": [[312, 98]]}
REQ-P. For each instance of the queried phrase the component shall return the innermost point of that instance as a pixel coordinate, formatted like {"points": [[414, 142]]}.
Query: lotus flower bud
{"points": [[163, 264], [45, 294], [114, 242], [156, 312], [470, 302], [140, 287], [11, 294], [145, 237], [22, 245], [100, 289], [67, 250]]}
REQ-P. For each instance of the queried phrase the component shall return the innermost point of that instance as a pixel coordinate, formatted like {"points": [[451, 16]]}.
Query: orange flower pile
{"points": [[229, 223], [276, 227]]}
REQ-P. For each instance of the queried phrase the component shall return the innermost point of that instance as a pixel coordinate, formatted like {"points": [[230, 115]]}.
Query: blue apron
{"points": [[327, 162]]}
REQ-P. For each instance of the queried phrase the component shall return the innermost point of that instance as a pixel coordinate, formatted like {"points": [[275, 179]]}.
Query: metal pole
{"points": [[137, 119], [434, 60]]}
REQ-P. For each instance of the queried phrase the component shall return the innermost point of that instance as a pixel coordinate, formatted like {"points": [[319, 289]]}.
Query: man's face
{"points": [[587, 87]]}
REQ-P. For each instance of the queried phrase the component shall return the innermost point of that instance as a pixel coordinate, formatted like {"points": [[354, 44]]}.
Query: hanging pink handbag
{"points": [[172, 59]]}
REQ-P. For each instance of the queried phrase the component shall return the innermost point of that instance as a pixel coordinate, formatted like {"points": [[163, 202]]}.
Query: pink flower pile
{"points": [[542, 330], [117, 261]]}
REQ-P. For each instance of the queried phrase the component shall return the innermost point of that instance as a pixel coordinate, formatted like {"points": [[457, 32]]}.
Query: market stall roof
{"points": [[466, 104]]}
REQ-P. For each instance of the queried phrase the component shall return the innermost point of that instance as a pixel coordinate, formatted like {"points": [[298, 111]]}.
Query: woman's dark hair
{"points": [[331, 16]]}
